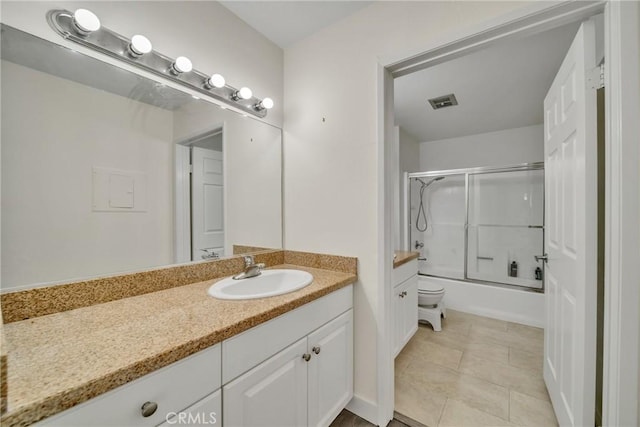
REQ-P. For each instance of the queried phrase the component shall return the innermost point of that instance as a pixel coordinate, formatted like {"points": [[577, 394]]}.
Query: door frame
{"points": [[622, 186], [182, 191]]}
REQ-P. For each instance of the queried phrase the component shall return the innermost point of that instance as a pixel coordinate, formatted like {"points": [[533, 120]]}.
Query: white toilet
{"points": [[430, 305]]}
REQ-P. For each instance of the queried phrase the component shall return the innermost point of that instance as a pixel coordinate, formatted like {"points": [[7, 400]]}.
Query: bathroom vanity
{"points": [[405, 302], [147, 359]]}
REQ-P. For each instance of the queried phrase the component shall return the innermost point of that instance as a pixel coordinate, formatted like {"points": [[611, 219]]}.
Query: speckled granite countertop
{"points": [[403, 257], [62, 359]]}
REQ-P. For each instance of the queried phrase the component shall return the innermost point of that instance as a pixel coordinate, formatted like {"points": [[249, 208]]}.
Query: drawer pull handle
{"points": [[149, 408], [316, 349], [306, 357]]}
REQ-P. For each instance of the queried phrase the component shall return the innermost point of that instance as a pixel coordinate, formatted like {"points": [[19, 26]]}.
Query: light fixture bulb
{"points": [[267, 103], [216, 80], [85, 21], [182, 64], [243, 93], [140, 45]]}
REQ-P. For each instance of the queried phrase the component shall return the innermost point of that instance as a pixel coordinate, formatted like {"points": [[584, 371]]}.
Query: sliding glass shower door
{"points": [[481, 224], [505, 227], [438, 210]]}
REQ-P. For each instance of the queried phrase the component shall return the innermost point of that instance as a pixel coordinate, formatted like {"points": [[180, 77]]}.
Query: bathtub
{"points": [[512, 305]]}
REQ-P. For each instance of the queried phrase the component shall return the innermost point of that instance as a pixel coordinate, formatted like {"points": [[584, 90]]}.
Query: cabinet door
{"points": [[207, 411], [330, 369], [273, 393], [410, 310], [398, 319]]}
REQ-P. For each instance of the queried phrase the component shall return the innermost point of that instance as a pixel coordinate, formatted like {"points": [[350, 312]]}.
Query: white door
{"points": [[330, 370], [272, 394], [207, 219], [570, 235]]}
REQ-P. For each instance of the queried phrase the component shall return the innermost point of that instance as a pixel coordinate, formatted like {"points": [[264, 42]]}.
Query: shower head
{"points": [[426, 184]]}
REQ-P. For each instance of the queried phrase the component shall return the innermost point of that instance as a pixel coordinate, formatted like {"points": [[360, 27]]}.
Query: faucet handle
{"points": [[248, 260]]}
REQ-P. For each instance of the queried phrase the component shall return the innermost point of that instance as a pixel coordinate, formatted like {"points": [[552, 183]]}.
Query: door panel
{"points": [[207, 196], [273, 394], [331, 370], [570, 236], [410, 309]]}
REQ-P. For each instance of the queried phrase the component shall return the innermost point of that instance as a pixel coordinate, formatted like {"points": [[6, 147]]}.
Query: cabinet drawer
{"points": [[244, 351], [172, 388], [404, 272], [208, 411]]}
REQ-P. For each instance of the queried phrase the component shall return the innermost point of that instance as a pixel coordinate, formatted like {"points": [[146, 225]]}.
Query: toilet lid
{"points": [[429, 288]]}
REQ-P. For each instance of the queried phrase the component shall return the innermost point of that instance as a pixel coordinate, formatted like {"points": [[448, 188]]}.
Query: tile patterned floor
{"points": [[475, 372]]}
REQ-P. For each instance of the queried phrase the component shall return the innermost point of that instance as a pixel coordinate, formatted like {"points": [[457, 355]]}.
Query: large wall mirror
{"points": [[105, 171]]}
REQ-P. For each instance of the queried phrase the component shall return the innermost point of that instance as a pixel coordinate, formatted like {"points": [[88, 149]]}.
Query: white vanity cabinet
{"points": [[405, 304], [171, 389], [308, 382], [293, 370]]}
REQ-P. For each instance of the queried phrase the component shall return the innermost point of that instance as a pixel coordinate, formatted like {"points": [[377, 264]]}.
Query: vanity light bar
{"points": [[84, 27]]}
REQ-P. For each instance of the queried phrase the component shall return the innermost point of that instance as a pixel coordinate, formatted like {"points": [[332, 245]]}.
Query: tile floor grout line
{"points": [[442, 412], [508, 387], [476, 408]]}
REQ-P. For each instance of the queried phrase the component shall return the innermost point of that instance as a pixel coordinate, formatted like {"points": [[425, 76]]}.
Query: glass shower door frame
{"points": [[478, 171]]}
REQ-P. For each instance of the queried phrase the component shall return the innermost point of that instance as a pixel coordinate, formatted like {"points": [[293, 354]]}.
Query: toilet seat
{"points": [[429, 288]]}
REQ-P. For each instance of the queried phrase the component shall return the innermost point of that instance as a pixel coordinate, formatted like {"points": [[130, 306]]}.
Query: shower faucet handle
{"points": [[539, 258], [419, 244]]}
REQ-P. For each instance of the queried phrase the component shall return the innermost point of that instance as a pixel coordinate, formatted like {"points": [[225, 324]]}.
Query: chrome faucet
{"points": [[251, 269]]}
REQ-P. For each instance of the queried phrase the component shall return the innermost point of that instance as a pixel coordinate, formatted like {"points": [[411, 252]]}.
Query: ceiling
{"points": [[502, 87], [287, 22]]}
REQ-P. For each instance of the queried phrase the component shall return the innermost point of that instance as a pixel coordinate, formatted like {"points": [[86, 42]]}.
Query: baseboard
{"points": [[364, 409]]}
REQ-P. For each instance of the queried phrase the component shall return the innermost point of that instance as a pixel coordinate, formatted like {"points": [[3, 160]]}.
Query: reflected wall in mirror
{"points": [[106, 171]]}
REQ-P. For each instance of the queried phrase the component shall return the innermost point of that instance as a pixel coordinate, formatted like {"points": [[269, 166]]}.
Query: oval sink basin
{"points": [[270, 283]]}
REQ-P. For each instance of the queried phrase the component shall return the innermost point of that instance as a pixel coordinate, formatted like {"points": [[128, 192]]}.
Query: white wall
{"points": [[409, 153], [409, 161], [501, 148], [216, 40], [51, 141], [331, 143]]}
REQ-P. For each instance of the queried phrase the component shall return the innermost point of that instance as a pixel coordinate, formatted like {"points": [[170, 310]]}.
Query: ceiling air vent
{"points": [[443, 101]]}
